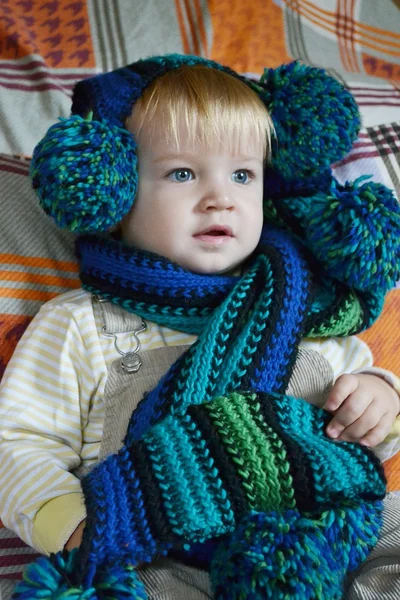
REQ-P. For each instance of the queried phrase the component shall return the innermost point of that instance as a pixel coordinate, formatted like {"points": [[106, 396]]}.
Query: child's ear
{"points": [[85, 174], [315, 118]]}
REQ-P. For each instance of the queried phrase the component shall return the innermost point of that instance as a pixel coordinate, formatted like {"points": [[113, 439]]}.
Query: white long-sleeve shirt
{"points": [[52, 412]]}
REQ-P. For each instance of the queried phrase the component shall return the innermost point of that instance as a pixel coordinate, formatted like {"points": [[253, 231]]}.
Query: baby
{"points": [[204, 141]]}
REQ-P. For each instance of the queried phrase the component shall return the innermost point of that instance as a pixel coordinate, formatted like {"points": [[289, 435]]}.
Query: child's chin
{"points": [[230, 269]]}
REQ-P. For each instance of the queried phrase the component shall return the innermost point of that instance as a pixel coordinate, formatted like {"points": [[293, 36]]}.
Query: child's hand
{"points": [[76, 538], [364, 408]]}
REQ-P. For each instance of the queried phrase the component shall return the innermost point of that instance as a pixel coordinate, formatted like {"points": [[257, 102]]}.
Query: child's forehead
{"points": [[155, 139]]}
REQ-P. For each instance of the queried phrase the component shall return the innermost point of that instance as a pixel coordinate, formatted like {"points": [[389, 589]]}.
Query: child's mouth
{"points": [[215, 235]]}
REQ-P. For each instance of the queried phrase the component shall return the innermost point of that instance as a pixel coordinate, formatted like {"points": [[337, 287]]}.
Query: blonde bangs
{"points": [[212, 105]]}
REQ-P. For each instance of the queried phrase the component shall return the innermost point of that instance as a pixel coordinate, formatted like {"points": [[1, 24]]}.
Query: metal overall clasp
{"points": [[130, 361]]}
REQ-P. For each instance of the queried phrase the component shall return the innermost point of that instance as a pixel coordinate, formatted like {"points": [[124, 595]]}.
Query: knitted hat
{"points": [[84, 170]]}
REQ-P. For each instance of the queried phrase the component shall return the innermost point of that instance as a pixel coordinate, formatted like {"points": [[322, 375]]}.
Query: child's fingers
{"points": [[367, 422], [376, 435], [342, 388], [349, 412]]}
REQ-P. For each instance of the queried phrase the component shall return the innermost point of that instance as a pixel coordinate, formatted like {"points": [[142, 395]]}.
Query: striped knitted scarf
{"points": [[216, 456]]}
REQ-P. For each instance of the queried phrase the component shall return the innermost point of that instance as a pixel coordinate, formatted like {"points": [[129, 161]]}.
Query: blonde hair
{"points": [[213, 105]]}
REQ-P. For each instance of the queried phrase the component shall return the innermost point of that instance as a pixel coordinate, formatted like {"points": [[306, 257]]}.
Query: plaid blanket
{"points": [[46, 46]]}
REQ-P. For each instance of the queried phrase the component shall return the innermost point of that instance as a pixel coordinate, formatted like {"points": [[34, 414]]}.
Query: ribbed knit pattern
{"points": [[257, 320]]}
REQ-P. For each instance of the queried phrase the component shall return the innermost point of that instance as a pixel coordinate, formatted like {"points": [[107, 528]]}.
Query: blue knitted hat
{"points": [[84, 169]]}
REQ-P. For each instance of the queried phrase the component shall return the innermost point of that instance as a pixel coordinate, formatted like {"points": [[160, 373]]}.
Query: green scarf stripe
{"points": [[346, 315], [249, 449], [279, 452], [221, 458], [241, 445], [300, 470]]}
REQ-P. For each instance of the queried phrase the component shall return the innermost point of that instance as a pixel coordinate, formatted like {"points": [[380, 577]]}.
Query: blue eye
{"points": [[241, 176], [181, 175]]}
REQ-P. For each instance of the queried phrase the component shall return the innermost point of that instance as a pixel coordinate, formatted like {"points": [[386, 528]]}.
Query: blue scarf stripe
{"points": [[271, 374], [102, 492], [152, 406], [135, 273]]}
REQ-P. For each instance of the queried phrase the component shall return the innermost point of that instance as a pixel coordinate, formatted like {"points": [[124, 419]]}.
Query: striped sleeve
{"points": [[45, 400], [345, 355], [353, 355]]}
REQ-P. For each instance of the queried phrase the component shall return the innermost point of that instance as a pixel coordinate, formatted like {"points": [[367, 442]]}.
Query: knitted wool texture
{"points": [[202, 460]]}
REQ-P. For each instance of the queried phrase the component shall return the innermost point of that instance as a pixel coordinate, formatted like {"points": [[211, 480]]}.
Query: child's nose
{"points": [[216, 197]]}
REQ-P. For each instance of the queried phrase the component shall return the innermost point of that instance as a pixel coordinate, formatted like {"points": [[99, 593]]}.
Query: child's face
{"points": [[198, 206]]}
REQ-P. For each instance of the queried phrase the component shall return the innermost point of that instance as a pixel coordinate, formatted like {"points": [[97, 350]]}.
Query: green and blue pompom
{"points": [[354, 233], [276, 556], [54, 579], [84, 173], [353, 230], [271, 556], [315, 118]]}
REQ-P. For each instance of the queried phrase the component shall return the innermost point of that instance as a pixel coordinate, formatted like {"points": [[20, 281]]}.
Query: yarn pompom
{"points": [[53, 579], [84, 173], [315, 118], [354, 232], [277, 556]]}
